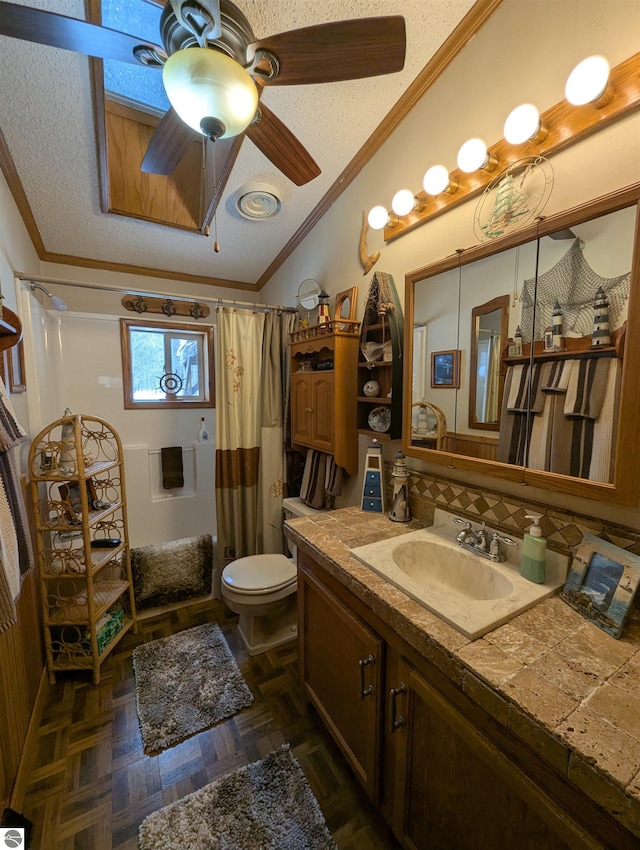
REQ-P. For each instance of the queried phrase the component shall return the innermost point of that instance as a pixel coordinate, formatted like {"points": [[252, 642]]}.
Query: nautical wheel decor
{"points": [[514, 198], [171, 384]]}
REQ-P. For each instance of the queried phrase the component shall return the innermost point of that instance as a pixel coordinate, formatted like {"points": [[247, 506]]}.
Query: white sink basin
{"points": [[469, 592], [450, 570]]}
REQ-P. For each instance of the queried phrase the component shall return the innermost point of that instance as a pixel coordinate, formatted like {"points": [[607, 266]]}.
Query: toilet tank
{"points": [[294, 507]]}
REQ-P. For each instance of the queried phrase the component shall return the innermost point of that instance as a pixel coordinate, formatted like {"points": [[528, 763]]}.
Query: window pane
{"points": [[185, 362], [147, 364]]}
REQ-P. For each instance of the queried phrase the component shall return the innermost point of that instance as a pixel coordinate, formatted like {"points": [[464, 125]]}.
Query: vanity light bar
{"points": [[560, 127]]}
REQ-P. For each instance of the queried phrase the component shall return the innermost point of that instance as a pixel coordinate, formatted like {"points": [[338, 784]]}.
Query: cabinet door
{"points": [[341, 668], [455, 788], [322, 401], [301, 409]]}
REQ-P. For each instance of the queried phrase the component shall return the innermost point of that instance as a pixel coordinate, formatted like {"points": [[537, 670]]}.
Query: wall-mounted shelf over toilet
{"points": [[324, 388]]}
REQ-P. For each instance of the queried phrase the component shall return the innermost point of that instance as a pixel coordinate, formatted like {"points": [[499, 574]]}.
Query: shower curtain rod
{"points": [[221, 302]]}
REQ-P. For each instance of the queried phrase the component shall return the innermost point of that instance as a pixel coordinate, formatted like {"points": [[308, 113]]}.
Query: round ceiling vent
{"points": [[258, 200]]}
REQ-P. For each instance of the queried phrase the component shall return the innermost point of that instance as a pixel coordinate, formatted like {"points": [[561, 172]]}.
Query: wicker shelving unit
{"points": [[77, 486]]}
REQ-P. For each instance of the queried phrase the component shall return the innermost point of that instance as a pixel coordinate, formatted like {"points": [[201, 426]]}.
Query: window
{"points": [[132, 84], [166, 364]]}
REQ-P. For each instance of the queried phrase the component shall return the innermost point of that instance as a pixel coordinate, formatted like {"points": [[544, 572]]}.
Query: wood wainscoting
{"points": [[21, 671], [472, 445]]}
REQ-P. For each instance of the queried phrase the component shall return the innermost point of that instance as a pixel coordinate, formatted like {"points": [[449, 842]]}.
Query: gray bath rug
{"points": [[267, 805], [171, 572], [185, 683]]}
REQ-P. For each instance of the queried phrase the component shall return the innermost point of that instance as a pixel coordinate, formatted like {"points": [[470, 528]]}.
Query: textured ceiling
{"points": [[46, 117]]}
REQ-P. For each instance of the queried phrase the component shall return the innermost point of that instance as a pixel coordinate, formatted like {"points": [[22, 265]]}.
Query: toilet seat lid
{"points": [[259, 573]]}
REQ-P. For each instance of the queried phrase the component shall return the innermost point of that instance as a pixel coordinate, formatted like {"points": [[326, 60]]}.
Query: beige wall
{"points": [[524, 53]]}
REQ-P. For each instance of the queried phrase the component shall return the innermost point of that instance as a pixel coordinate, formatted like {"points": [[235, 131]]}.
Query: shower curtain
{"points": [[251, 376], [275, 403], [492, 409]]}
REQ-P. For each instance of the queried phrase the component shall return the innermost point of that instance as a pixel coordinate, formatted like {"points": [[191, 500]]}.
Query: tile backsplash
{"points": [[563, 529]]}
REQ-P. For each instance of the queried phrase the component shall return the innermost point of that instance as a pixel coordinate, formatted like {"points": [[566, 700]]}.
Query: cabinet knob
{"points": [[362, 663], [396, 722]]}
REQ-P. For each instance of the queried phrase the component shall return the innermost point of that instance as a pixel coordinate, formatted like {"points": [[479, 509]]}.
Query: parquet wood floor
{"points": [[90, 784]]}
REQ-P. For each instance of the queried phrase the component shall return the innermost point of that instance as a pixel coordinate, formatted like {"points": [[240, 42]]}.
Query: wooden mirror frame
{"points": [[350, 295], [500, 303], [625, 487]]}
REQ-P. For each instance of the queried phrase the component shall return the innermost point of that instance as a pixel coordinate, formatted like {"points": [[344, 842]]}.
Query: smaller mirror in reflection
{"points": [[489, 329]]}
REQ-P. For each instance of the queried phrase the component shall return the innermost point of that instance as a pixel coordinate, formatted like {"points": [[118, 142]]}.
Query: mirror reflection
{"points": [[553, 405], [308, 294], [489, 330]]}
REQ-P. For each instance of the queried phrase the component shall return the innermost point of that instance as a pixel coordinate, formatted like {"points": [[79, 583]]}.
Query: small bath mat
{"points": [[185, 683], [267, 805]]}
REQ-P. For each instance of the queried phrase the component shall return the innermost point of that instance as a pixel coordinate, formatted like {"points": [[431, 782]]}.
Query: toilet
{"points": [[262, 590]]}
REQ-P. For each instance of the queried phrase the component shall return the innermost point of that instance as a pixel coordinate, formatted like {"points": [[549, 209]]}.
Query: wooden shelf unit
{"points": [[575, 348], [385, 372], [323, 401]]}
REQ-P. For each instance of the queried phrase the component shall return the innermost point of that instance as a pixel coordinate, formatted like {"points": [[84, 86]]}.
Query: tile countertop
{"points": [[554, 679]]}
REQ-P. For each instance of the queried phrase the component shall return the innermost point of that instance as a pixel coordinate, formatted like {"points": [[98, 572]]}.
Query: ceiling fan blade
{"points": [[278, 144], [169, 143], [343, 50], [42, 27]]}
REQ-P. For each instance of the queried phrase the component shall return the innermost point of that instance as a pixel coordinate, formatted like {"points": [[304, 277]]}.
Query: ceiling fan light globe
{"points": [[202, 83]]}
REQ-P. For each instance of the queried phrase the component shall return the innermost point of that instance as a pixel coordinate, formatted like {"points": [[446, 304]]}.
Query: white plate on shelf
{"points": [[380, 419]]}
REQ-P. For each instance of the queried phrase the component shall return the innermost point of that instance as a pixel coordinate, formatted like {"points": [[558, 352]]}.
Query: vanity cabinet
{"points": [[77, 483], [323, 390], [443, 772], [341, 669], [455, 788]]}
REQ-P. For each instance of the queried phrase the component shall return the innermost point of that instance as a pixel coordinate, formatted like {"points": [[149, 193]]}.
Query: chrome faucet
{"points": [[479, 541]]}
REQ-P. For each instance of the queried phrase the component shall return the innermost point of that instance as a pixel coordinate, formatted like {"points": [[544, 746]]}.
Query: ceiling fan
{"points": [[214, 71]]}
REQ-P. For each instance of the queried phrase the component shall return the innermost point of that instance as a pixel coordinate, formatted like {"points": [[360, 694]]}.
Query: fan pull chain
{"points": [[216, 244], [203, 184]]}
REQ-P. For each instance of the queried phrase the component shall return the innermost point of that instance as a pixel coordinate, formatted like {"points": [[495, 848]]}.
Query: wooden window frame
{"points": [[206, 332]]}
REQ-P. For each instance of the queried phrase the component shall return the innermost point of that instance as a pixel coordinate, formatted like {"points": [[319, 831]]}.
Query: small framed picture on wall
{"points": [[445, 368]]}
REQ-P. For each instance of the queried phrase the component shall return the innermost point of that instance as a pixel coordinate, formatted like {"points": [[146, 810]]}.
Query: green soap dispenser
{"points": [[534, 552]]}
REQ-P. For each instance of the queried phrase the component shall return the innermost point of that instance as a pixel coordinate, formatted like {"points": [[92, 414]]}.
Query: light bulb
{"points": [[588, 81], [523, 124], [473, 155], [403, 202], [436, 180], [378, 217]]}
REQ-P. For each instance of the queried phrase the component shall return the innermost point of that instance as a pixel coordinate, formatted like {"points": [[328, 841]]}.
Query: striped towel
{"points": [[518, 400], [557, 378], [587, 384]]}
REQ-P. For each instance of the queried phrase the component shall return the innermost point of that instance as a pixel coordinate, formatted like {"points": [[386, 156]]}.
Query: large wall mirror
{"points": [[544, 325]]}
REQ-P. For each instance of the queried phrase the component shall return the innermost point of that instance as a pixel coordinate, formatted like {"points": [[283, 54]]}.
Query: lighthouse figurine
{"points": [[600, 335], [556, 327], [400, 502]]}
